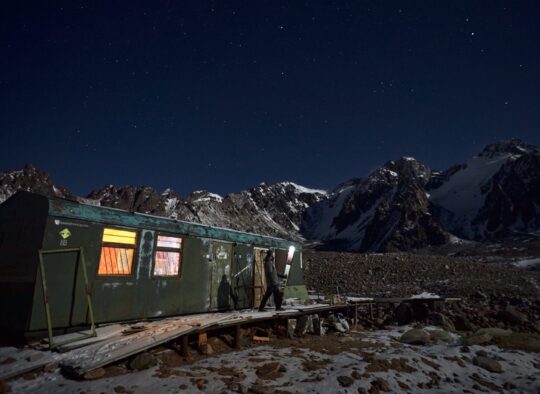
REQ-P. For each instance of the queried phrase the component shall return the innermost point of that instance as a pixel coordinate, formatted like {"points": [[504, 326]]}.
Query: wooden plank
{"points": [[118, 347], [103, 333]]}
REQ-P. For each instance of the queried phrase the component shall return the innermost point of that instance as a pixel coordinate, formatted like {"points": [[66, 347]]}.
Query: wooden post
{"points": [[371, 311], [184, 349], [237, 336], [355, 315]]}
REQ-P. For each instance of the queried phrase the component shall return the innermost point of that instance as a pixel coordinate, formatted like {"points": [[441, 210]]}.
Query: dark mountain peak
{"points": [[513, 146], [30, 178], [403, 170]]}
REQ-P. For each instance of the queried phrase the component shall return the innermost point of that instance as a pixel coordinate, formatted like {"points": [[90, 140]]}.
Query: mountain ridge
{"points": [[400, 206]]}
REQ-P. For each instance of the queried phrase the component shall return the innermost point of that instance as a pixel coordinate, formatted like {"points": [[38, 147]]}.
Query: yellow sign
{"points": [[65, 233]]}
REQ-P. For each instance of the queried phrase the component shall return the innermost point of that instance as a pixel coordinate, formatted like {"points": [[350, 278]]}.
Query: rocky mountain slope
{"points": [[492, 195], [31, 179], [403, 205], [267, 209], [387, 211]]}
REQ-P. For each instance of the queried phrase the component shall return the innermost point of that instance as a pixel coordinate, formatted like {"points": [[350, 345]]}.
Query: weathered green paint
{"points": [[242, 276], [68, 209], [220, 294], [209, 279]]}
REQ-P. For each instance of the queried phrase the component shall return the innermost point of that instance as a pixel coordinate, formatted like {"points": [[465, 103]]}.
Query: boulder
{"points": [[415, 337], [142, 361], [440, 336], [488, 364], [345, 381], [477, 339]]}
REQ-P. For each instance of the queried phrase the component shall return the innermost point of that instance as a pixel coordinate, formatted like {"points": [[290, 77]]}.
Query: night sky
{"points": [[223, 95]]}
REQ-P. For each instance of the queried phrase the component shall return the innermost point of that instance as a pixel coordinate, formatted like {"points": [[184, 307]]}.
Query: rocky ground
{"points": [[402, 359], [402, 275]]}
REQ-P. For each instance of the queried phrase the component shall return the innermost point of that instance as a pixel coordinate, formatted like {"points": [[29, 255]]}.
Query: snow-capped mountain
{"points": [[402, 205], [267, 209], [387, 211], [494, 194]]}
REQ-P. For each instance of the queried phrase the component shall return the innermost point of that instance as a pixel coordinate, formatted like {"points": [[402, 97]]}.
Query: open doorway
{"points": [[259, 278]]}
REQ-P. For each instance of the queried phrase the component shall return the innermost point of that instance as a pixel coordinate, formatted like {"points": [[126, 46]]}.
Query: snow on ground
{"points": [[533, 264], [332, 364], [425, 294]]}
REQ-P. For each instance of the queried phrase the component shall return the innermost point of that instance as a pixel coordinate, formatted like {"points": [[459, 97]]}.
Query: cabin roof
{"points": [[59, 207]]}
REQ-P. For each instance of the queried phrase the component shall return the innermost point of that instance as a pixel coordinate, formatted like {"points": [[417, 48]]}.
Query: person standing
{"points": [[272, 282]]}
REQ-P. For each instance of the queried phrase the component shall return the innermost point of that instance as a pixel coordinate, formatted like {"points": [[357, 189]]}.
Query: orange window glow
{"points": [[167, 258], [115, 261], [117, 252]]}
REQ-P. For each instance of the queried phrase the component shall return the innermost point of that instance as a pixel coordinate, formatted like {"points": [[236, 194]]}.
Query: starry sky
{"points": [[222, 95]]}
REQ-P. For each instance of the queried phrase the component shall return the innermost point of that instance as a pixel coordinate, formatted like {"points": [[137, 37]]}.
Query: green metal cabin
{"points": [[138, 266]]}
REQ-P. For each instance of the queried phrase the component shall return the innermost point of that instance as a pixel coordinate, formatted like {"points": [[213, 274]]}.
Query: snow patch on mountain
{"points": [[464, 193]]}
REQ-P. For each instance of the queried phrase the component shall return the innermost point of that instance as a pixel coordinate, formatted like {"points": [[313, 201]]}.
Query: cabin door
{"points": [[220, 295], [65, 288], [242, 276], [259, 278]]}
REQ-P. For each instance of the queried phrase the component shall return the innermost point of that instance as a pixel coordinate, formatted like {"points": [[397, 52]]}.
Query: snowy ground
{"points": [[330, 364]]}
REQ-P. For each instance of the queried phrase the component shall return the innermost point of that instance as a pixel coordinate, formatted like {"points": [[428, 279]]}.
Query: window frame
{"points": [[165, 249], [135, 248]]}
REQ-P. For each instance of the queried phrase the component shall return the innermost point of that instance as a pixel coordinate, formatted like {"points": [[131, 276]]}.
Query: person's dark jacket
{"points": [[270, 271]]}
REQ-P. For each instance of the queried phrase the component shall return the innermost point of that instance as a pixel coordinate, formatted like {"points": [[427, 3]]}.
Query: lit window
{"points": [[117, 252], [167, 258]]}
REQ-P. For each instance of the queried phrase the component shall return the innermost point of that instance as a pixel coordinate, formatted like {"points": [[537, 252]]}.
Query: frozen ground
{"points": [[329, 364]]}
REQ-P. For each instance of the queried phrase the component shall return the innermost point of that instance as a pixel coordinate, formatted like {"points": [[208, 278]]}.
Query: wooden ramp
{"points": [[125, 344]]}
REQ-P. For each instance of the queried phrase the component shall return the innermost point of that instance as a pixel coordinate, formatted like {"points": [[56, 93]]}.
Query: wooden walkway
{"points": [[115, 342]]}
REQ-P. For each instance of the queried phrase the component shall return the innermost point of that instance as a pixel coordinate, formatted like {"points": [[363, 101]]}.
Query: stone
{"points": [[345, 381], [142, 361], [379, 385], [242, 389], [271, 370], [403, 314], [94, 374], [512, 316], [494, 332], [440, 336], [291, 328], [302, 325], [50, 367], [206, 349], [509, 386], [439, 319], [477, 339], [488, 364], [415, 337]]}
